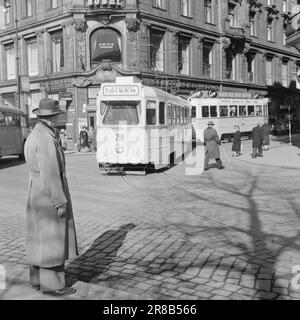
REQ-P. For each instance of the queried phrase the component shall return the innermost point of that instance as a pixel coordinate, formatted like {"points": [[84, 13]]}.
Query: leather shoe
{"points": [[61, 292], [36, 286]]}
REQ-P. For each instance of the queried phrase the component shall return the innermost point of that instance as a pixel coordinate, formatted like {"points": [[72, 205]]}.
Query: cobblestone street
{"points": [[224, 234]]}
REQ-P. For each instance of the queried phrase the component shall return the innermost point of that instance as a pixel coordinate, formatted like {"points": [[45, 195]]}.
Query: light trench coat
{"points": [[212, 142], [50, 240]]}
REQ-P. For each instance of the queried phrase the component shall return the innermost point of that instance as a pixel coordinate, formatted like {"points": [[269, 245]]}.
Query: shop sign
{"points": [[120, 90]]}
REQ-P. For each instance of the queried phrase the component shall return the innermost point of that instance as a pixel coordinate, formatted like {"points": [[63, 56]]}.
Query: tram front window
{"points": [[119, 112]]}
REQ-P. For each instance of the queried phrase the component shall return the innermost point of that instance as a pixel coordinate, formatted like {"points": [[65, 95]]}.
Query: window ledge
{"points": [[188, 17]]}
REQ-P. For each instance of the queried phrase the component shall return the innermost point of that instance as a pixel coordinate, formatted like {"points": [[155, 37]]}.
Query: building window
{"points": [[284, 6], [269, 78], [207, 59], [231, 61], [185, 8], [57, 51], [208, 12], [284, 73], [53, 4], [160, 4], [105, 46], [284, 36], [270, 30], [252, 24], [183, 55], [232, 15], [32, 57], [28, 8], [251, 67], [7, 11], [10, 61], [156, 50]]}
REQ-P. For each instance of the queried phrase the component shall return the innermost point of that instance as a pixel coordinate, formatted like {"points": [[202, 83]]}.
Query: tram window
{"points": [[242, 111], [266, 110], [170, 113], [121, 111], [205, 112], [2, 120], [177, 114], [258, 110], [250, 110], [161, 113], [194, 112], [233, 111], [223, 111], [213, 111], [182, 115]]}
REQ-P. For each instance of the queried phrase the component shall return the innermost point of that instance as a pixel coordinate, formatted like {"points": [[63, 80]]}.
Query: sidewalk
{"points": [[280, 155]]}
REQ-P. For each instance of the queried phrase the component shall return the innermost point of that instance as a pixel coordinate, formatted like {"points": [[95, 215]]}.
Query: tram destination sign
{"points": [[121, 90]]}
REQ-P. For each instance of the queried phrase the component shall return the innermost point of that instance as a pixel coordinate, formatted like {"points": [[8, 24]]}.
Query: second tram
{"points": [[227, 113]]}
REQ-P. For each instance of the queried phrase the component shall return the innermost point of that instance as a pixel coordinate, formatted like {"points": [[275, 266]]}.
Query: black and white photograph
{"points": [[149, 151]]}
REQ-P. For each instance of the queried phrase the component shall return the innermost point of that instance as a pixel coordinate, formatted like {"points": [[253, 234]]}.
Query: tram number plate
{"points": [[119, 137]]}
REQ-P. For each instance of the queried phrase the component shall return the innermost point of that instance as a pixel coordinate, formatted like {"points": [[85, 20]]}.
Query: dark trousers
{"points": [[49, 279], [206, 162], [258, 150]]}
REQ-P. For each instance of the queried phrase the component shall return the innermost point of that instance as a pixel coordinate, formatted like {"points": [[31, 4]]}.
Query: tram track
{"points": [[157, 201]]}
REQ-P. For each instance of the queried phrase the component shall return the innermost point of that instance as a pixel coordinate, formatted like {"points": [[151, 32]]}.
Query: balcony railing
{"points": [[105, 3]]}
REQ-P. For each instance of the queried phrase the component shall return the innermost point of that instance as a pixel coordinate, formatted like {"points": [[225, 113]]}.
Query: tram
{"points": [[140, 126], [227, 113]]}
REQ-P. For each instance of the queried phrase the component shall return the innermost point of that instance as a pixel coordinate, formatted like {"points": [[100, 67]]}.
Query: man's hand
{"points": [[62, 210]]}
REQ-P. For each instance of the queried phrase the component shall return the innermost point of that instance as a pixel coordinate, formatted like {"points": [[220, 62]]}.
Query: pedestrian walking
{"points": [[266, 129], [84, 139], [90, 135], [237, 142], [212, 142], [257, 142], [62, 136], [50, 228]]}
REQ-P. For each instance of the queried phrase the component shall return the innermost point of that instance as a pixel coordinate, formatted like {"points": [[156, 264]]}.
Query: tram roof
{"points": [[11, 109], [152, 91]]}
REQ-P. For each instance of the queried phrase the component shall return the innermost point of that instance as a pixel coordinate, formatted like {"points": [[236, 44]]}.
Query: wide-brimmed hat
{"points": [[210, 123], [48, 107]]}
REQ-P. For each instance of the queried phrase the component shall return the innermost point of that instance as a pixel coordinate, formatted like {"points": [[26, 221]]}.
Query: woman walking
{"points": [[237, 142]]}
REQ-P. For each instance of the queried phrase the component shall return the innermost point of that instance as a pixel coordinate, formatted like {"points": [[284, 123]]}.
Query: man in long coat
{"points": [[212, 142], [266, 129], [50, 229], [257, 143]]}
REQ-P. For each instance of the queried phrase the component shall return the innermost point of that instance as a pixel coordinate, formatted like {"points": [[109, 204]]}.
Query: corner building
{"points": [[66, 49]]}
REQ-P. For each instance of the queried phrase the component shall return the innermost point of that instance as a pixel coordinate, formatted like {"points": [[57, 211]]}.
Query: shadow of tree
{"points": [[94, 261], [264, 244]]}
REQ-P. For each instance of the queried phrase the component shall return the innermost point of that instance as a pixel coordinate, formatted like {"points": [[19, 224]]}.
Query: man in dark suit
{"points": [[258, 139]]}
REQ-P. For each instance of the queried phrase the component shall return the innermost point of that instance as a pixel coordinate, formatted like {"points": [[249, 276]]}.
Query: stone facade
{"points": [[234, 28]]}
